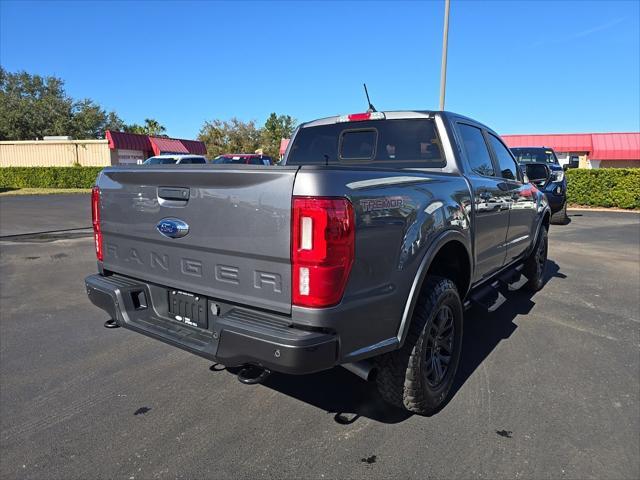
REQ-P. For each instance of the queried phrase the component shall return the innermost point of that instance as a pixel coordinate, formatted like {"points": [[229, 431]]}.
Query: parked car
{"points": [[175, 160], [362, 251], [243, 159], [556, 187]]}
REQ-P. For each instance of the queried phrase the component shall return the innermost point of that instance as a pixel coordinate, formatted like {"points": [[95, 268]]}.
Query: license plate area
{"points": [[188, 308]]}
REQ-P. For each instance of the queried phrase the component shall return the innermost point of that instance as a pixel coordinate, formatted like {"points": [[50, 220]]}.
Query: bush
{"points": [[48, 177], [604, 187]]}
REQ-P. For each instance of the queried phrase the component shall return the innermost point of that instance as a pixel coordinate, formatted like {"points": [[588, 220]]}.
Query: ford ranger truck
{"points": [[362, 250]]}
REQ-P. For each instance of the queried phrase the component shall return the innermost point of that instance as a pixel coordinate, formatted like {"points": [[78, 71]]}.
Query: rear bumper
{"points": [[234, 336]]}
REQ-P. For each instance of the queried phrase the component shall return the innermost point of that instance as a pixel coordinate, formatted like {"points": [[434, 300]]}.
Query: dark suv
{"points": [[556, 187]]}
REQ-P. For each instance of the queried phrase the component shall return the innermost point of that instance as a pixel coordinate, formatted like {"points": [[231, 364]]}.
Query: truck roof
{"points": [[396, 115]]}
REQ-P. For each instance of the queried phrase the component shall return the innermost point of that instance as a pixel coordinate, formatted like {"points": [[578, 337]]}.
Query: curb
{"points": [[601, 209]]}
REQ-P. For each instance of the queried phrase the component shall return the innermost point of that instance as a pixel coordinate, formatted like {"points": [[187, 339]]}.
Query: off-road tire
{"points": [[535, 264], [402, 375], [560, 217]]}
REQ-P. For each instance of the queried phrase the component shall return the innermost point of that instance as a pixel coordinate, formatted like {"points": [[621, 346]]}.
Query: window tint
{"points": [[358, 145], [408, 143], [538, 155], [236, 160], [198, 160], [476, 150], [255, 161], [505, 160], [160, 161], [186, 161]]}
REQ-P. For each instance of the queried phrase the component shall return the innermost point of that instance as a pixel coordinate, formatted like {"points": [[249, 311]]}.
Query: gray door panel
{"points": [[491, 225]]}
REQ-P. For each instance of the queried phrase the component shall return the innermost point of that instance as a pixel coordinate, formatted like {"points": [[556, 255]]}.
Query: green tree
{"points": [[275, 129], [32, 106], [230, 136], [91, 121], [151, 127]]}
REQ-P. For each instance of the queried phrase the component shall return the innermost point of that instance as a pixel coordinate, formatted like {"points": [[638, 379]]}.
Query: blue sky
{"points": [[520, 67]]}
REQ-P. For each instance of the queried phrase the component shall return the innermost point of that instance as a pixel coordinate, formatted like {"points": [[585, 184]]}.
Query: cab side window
{"points": [[476, 150], [508, 168]]}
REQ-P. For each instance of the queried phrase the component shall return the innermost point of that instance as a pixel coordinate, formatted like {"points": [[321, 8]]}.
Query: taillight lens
{"points": [[95, 218], [322, 250]]}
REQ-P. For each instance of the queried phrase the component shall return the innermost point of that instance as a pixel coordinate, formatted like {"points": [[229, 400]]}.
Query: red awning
{"points": [[616, 146], [157, 145], [580, 142], [599, 146], [167, 145], [195, 147], [128, 141]]}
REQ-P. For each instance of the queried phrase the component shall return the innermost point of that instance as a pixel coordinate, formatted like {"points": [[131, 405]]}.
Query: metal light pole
{"points": [[443, 70]]}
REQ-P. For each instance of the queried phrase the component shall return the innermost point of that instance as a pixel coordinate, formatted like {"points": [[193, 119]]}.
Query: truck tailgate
{"points": [[238, 243]]}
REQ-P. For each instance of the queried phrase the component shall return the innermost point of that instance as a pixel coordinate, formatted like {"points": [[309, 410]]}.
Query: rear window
{"points": [[534, 155], [193, 160], [358, 144], [243, 160], [160, 160], [409, 143], [236, 159]]}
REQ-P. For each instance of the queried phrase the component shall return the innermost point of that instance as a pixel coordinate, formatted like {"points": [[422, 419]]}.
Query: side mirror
{"points": [[537, 173], [565, 167]]}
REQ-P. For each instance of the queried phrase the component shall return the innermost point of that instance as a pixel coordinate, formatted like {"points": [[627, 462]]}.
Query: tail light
{"points": [[95, 218], [322, 250]]}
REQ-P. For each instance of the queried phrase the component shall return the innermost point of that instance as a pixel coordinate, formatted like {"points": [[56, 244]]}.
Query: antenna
{"points": [[366, 92]]}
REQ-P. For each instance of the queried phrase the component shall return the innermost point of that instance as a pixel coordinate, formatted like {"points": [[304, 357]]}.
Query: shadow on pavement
{"points": [[341, 393], [484, 331]]}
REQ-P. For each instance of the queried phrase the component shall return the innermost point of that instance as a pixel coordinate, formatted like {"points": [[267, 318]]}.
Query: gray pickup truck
{"points": [[362, 250]]}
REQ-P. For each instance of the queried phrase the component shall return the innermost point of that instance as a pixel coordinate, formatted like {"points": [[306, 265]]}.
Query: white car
{"points": [[175, 160]]}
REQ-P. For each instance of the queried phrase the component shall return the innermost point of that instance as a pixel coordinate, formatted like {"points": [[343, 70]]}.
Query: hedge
{"points": [[604, 187], [48, 177]]}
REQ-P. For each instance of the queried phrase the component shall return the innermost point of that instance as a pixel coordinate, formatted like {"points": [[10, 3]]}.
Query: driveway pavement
{"points": [[21, 214], [549, 385]]}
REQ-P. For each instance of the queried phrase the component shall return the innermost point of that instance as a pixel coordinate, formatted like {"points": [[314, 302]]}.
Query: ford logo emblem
{"points": [[172, 228]]}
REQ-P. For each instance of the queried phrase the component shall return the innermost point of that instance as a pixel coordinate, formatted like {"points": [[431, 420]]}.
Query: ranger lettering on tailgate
{"points": [[195, 268]]}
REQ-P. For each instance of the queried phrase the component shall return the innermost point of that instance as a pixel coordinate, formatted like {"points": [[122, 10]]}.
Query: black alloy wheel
{"points": [[439, 346]]}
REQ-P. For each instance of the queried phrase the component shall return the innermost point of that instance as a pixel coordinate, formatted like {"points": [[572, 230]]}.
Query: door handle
{"points": [[174, 193]]}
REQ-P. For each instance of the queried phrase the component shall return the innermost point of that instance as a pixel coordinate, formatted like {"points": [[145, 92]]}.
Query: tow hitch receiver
{"points": [[252, 374]]}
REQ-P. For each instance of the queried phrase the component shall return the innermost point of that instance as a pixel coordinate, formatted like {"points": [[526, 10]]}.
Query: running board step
{"points": [[489, 297], [513, 279]]}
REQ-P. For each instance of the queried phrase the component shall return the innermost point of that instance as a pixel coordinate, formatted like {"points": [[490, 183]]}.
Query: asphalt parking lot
{"points": [[23, 214], [549, 385]]}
